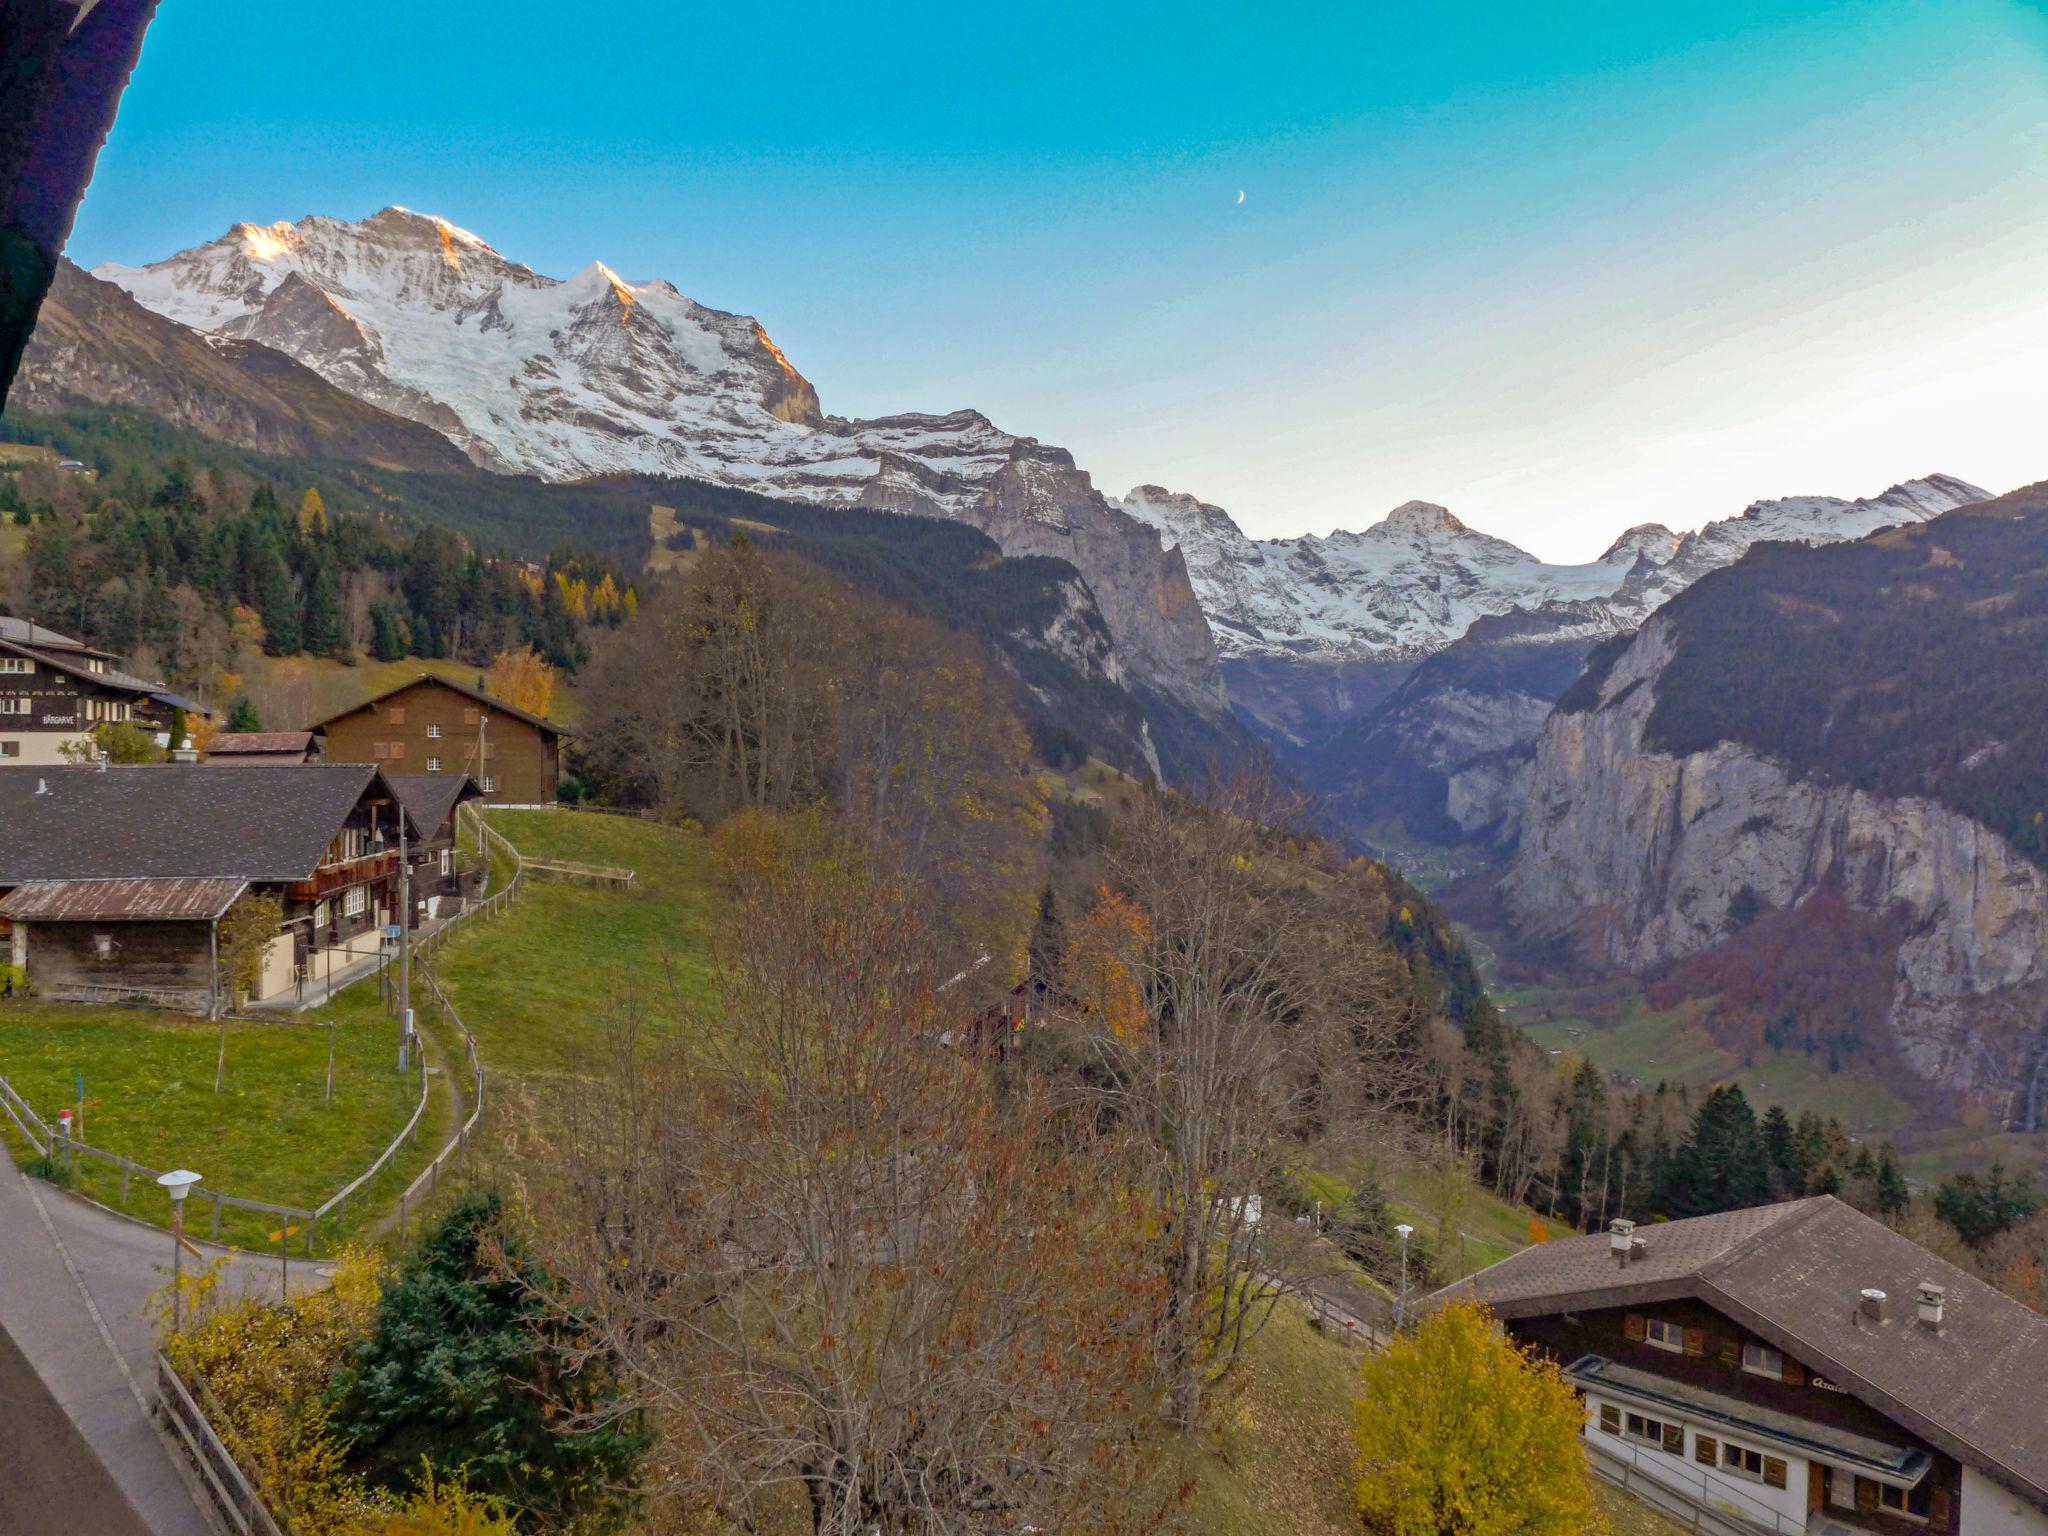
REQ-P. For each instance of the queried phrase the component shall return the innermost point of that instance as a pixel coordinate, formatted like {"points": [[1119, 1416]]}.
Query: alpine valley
{"points": [[1594, 758]]}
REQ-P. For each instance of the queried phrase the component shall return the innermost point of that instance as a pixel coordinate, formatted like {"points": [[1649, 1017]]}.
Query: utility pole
{"points": [[404, 945]]}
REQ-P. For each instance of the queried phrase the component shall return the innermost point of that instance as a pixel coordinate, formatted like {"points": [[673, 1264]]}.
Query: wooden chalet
{"points": [[436, 725], [1795, 1369], [113, 880], [54, 691]]}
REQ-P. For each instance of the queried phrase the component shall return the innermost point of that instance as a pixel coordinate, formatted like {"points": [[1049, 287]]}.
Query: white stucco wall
{"points": [[1988, 1510], [1717, 1489], [38, 749]]}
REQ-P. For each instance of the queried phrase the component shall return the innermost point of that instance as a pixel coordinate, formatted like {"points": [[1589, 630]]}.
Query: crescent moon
{"points": [[1240, 194]]}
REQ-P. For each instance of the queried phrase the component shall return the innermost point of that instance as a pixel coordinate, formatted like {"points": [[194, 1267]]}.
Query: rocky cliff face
{"points": [[1638, 858], [596, 375]]}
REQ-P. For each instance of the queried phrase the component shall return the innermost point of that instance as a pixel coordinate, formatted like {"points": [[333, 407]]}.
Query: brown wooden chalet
{"points": [[436, 725], [113, 879], [1798, 1369], [433, 803], [54, 691]]}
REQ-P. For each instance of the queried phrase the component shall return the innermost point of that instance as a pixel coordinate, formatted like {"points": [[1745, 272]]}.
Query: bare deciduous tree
{"points": [[853, 1286]]}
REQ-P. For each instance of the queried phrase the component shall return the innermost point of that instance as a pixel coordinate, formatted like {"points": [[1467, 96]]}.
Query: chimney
{"points": [[1873, 1305], [1933, 1299], [1621, 1235]]}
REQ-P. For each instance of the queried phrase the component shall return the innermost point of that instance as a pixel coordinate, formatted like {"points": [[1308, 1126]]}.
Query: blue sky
{"points": [[1561, 268]]}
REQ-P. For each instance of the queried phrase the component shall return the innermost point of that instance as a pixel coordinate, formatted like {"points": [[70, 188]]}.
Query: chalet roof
{"points": [[176, 820], [235, 743], [430, 798], [1793, 1274], [499, 705], [75, 664], [83, 901], [29, 632]]}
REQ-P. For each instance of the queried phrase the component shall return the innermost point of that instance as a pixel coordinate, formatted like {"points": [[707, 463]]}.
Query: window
{"points": [[323, 913], [1742, 1461], [1759, 1361], [14, 706], [355, 901], [1906, 1501], [103, 946], [447, 858], [10, 749], [1669, 1437], [16, 664], [1665, 1334], [433, 733], [489, 785], [433, 765]]}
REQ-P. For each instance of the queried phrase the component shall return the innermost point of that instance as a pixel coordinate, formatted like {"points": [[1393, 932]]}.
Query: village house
{"points": [[435, 725], [55, 690], [113, 880], [433, 803], [259, 749], [1799, 1369]]}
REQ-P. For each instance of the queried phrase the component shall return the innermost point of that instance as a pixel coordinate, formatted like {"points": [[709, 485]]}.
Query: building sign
{"points": [[60, 720], [1825, 1385]]}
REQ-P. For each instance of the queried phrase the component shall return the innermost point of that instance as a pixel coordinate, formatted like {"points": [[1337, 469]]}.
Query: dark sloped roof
{"points": [[430, 798], [113, 678], [84, 901], [1793, 1274], [229, 743], [29, 632], [453, 686], [174, 820]]}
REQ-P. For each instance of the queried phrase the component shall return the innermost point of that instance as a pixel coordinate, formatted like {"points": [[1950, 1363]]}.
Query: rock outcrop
{"points": [[1638, 857]]}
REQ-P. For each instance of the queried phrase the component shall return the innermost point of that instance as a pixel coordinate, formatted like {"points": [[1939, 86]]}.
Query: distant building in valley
{"points": [[435, 725]]}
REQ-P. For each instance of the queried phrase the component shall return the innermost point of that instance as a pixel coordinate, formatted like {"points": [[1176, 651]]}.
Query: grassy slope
{"points": [[268, 1135], [536, 985]]}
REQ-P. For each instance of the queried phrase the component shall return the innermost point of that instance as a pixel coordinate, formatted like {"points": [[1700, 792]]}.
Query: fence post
{"points": [[216, 1214], [127, 1167]]}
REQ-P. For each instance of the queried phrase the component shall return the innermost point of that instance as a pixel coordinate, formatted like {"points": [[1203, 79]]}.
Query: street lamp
{"points": [[178, 1182], [1404, 1232]]}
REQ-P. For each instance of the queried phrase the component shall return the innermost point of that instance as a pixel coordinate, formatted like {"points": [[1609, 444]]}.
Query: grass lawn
{"points": [[537, 983], [268, 1135]]}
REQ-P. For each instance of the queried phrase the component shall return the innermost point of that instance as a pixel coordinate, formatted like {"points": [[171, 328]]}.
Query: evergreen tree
{"points": [[1721, 1166], [324, 633], [1787, 1163], [1980, 1209], [463, 1371], [386, 642], [242, 714]]}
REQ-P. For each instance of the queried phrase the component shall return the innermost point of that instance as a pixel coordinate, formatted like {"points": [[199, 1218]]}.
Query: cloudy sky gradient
{"points": [[1563, 269]]}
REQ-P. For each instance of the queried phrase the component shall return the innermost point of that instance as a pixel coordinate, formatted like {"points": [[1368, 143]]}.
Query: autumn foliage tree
{"points": [[854, 1286], [522, 678], [1460, 1433]]}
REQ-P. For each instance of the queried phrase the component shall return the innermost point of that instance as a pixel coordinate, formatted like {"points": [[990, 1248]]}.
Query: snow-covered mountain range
{"points": [[1416, 580], [593, 374]]}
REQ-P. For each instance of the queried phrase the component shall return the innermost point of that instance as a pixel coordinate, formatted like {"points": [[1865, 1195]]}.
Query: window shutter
{"points": [[1866, 1495], [1795, 1373], [1695, 1342], [1731, 1352], [1633, 1328], [1674, 1439], [1610, 1418], [1937, 1509], [1705, 1451], [1774, 1471], [398, 749]]}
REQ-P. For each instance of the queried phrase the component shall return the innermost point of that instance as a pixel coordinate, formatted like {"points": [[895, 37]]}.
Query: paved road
{"points": [[50, 1481], [75, 1285]]}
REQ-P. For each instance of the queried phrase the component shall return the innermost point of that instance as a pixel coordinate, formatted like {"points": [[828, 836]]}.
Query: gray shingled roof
{"points": [[1793, 1273], [429, 798], [174, 820], [232, 743]]}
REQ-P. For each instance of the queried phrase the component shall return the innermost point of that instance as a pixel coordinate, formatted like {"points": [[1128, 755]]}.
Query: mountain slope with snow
{"points": [[595, 375], [1415, 581]]}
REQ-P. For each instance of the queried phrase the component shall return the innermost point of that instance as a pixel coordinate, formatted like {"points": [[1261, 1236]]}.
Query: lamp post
{"points": [[178, 1182], [1404, 1232]]}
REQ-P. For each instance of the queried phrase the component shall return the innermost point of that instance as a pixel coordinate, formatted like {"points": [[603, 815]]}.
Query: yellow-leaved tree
{"points": [[1459, 1431], [522, 679], [1100, 970]]}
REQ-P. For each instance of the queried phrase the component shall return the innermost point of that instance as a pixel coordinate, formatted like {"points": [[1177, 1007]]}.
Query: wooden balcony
{"points": [[344, 873]]}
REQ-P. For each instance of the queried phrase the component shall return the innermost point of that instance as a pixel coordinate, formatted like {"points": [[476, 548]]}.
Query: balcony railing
{"points": [[346, 872]]}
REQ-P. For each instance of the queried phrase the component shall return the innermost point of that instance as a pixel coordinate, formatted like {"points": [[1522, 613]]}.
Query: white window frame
{"points": [[20, 666], [447, 859], [103, 946], [1665, 1334], [1762, 1360], [489, 785], [355, 901], [433, 733], [433, 765], [20, 704]]}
